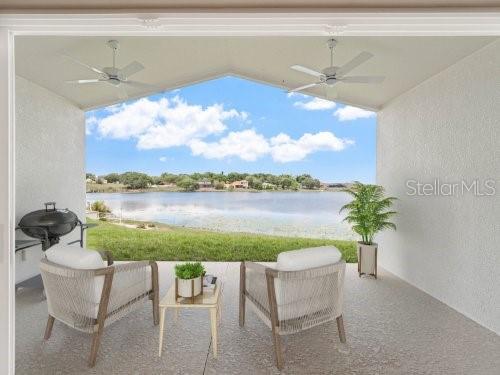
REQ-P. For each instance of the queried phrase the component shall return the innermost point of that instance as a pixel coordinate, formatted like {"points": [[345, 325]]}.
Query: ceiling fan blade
{"points": [[305, 87], [358, 60], [131, 69], [362, 79], [303, 69], [87, 81], [140, 85], [93, 68]]}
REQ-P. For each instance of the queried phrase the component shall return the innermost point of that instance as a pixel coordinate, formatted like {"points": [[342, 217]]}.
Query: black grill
{"points": [[50, 224]]}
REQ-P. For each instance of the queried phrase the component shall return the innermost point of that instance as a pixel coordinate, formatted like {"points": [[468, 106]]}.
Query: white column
{"points": [[6, 205]]}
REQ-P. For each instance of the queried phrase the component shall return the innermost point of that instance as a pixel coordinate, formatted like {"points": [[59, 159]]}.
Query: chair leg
{"points": [[156, 293], [271, 293], [101, 314], [242, 294], [340, 326], [156, 309], [96, 340], [48, 328], [277, 350]]}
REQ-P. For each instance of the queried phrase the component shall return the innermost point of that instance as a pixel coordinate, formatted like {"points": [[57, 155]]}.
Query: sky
{"points": [[233, 125]]}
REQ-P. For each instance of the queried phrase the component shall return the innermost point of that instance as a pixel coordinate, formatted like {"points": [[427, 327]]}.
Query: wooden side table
{"points": [[210, 299]]}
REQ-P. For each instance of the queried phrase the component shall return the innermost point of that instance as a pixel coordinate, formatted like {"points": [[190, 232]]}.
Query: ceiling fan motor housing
{"points": [[113, 75], [331, 80], [330, 71]]}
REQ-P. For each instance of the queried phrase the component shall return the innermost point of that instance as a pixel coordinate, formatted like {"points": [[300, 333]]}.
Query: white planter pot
{"points": [[185, 287], [367, 259]]}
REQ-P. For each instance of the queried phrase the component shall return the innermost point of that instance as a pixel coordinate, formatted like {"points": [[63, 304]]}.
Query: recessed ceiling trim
{"points": [[258, 24]]}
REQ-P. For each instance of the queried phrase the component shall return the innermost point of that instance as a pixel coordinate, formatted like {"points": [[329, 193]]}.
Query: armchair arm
{"points": [[106, 255], [257, 267], [131, 266]]}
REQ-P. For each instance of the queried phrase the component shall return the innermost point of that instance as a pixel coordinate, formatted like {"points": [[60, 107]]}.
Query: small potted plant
{"points": [[189, 279], [368, 213]]}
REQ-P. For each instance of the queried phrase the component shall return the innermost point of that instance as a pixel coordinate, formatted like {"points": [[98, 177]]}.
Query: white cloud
{"points": [[165, 123], [349, 113], [294, 94], [315, 104], [244, 115], [285, 149], [247, 145], [90, 124], [173, 122]]}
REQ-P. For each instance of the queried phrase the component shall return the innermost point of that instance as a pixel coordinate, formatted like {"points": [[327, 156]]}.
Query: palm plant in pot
{"points": [[189, 279], [368, 213]]}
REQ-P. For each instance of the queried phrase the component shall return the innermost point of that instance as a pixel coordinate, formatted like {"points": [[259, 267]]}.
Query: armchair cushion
{"points": [[75, 257], [298, 260]]}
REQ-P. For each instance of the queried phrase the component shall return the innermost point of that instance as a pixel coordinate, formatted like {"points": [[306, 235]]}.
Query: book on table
{"points": [[209, 282]]}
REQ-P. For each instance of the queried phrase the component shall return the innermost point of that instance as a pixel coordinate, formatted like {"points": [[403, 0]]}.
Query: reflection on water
{"points": [[304, 214]]}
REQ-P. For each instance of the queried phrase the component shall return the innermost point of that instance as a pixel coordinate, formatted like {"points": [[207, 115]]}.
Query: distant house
{"points": [[243, 184], [336, 185], [204, 183], [89, 180]]}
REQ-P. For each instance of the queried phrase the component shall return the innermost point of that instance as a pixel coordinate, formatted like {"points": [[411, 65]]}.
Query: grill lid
{"points": [[56, 222]]}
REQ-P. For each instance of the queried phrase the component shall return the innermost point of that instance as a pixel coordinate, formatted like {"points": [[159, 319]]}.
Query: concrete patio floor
{"points": [[391, 327]]}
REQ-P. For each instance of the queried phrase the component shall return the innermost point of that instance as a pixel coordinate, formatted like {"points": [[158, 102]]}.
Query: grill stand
{"points": [[36, 282]]}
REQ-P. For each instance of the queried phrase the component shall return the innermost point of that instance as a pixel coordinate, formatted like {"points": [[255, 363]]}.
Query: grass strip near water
{"points": [[180, 244]]}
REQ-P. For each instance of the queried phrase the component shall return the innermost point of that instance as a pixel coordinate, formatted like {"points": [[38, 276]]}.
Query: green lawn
{"points": [[174, 243]]}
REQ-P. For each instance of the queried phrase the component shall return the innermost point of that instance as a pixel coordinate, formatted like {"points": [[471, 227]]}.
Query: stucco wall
{"points": [[50, 160], [447, 128]]}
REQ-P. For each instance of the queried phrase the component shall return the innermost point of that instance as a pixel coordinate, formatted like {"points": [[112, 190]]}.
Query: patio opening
{"points": [[240, 153], [224, 170]]}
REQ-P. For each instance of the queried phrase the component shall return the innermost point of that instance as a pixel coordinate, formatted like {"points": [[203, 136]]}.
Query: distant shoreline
{"points": [[170, 190]]}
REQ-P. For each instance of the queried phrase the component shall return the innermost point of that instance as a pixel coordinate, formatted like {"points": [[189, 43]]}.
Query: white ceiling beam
{"points": [[351, 23]]}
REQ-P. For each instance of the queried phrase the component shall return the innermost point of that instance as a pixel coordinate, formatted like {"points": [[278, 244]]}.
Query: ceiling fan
{"points": [[333, 74], [113, 75]]}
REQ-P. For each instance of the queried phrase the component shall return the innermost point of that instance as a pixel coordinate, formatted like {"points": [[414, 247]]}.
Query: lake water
{"points": [[303, 214]]}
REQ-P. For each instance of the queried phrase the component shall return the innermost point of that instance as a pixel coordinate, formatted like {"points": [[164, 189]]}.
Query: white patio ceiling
{"points": [[172, 62]]}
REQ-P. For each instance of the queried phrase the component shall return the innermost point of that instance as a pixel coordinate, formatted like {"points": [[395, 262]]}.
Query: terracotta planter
{"points": [[189, 287], [367, 259]]}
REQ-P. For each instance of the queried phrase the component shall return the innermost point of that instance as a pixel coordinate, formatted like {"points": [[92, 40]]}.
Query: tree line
{"points": [[190, 182]]}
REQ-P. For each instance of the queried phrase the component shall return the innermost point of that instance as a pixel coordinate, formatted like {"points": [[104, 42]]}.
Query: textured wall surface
{"points": [[50, 160], [447, 128]]}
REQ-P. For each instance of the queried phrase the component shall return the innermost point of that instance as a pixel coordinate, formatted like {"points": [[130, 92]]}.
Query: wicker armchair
{"points": [[292, 301], [90, 299]]}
